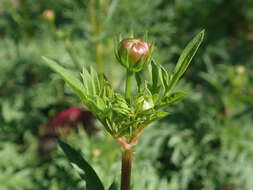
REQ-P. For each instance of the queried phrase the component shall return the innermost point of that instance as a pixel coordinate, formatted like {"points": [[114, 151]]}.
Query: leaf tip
{"points": [[44, 58], [202, 33]]}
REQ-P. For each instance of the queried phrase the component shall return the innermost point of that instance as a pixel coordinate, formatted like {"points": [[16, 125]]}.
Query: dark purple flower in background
{"points": [[62, 123], [228, 187]]}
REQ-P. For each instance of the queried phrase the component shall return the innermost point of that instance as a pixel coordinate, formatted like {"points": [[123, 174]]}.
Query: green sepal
{"points": [[116, 50]]}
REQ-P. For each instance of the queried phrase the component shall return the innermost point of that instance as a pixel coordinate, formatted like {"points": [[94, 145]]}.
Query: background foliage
{"points": [[206, 142]]}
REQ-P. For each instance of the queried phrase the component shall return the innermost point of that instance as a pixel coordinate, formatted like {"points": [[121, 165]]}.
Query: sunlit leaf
{"points": [[87, 82], [164, 77], [95, 80], [185, 59], [72, 81], [170, 99], [157, 116]]}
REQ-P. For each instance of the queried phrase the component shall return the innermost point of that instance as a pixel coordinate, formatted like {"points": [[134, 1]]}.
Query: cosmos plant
{"points": [[126, 116]]}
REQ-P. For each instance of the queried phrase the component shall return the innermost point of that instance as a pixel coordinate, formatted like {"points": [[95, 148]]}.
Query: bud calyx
{"points": [[133, 53]]}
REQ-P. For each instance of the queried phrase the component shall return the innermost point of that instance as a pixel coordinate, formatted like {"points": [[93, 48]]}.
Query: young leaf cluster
{"points": [[123, 118]]}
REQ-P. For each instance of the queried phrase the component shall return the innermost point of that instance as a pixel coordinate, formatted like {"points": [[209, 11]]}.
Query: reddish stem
{"points": [[127, 157]]}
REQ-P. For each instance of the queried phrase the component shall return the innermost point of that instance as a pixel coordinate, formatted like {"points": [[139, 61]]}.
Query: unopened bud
{"points": [[147, 105], [134, 53], [49, 15], [143, 103], [96, 152], [240, 69], [136, 47], [61, 34]]}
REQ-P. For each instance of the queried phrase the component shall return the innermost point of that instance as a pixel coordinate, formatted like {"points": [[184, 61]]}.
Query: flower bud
{"points": [[49, 15], [134, 53], [61, 34], [147, 105], [143, 103], [240, 69], [96, 153], [137, 48]]}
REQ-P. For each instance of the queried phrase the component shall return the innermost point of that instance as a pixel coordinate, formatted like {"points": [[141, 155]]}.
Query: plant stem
{"points": [[68, 47], [95, 21], [99, 62], [127, 157], [128, 85], [127, 148], [92, 14]]}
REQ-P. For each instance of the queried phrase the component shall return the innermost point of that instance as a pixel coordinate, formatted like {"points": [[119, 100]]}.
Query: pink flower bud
{"points": [[49, 15], [133, 53], [136, 47]]}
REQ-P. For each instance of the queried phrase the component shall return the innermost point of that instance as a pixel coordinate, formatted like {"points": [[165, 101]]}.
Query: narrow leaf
{"points": [[157, 116], [155, 74], [113, 186], [138, 80], [88, 174], [170, 99], [87, 81], [185, 59], [95, 79], [107, 89], [164, 77], [72, 81]]}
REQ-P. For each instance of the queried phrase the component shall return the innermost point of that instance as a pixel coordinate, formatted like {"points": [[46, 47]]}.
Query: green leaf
{"points": [[157, 116], [155, 74], [100, 103], [91, 82], [164, 77], [86, 171], [138, 79], [107, 89], [185, 59], [170, 99], [72, 81], [95, 80], [113, 186], [87, 82]]}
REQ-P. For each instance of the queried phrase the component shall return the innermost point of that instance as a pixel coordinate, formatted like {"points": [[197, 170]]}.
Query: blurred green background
{"points": [[206, 143]]}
